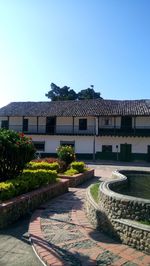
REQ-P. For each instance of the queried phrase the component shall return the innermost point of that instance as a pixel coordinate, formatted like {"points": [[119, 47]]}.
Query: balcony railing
{"points": [[144, 131], [54, 130], [70, 130]]}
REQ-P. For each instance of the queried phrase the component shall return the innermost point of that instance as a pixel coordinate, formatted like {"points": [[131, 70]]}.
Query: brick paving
{"points": [[62, 235]]}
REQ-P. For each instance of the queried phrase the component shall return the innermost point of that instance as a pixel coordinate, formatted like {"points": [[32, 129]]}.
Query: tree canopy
{"points": [[65, 93]]}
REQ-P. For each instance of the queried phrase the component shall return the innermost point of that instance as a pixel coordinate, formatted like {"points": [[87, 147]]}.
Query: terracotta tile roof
{"points": [[96, 107]]}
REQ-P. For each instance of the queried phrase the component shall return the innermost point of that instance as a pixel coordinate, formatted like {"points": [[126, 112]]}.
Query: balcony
{"points": [[54, 130], [125, 132], [70, 130]]}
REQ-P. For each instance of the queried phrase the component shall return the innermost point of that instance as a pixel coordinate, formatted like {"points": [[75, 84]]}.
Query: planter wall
{"points": [[79, 178], [12, 210]]}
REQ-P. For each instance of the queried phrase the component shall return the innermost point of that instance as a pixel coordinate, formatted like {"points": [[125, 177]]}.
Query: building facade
{"points": [[99, 129]]}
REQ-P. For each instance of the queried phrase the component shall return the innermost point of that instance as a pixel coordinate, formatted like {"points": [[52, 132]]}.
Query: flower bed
{"points": [[78, 179], [12, 210]]}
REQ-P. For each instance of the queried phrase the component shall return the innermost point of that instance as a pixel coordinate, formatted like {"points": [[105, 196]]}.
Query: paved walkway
{"points": [[15, 248], [62, 235]]}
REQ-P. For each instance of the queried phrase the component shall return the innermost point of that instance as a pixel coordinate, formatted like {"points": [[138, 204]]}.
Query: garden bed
{"points": [[78, 179], [15, 208]]}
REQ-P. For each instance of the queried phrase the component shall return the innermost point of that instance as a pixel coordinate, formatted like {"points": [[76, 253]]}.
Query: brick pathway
{"points": [[62, 235]]}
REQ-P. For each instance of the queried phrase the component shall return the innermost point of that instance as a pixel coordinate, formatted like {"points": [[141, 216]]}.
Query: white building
{"points": [[104, 129]]}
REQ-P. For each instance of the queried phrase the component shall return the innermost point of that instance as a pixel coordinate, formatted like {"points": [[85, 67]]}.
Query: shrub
{"points": [[62, 164], [79, 166], [71, 172], [15, 151], [46, 159], [43, 165], [66, 154], [27, 181], [7, 190]]}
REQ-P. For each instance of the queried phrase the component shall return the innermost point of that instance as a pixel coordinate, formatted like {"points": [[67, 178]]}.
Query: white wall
{"points": [[15, 123], [143, 122], [64, 124], [32, 123], [111, 122], [90, 124], [139, 144], [83, 144], [118, 122], [90, 121]]}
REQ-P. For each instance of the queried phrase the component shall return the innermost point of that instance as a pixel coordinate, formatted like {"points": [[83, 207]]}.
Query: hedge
{"points": [[43, 165], [79, 166], [27, 181]]}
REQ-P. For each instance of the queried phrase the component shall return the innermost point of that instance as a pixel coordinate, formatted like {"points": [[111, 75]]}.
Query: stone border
{"points": [[129, 232], [15, 208], [118, 205], [79, 178]]}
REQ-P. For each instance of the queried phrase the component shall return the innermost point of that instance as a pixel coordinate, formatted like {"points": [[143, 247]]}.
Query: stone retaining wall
{"points": [[79, 178], [18, 207], [117, 205], [129, 232]]}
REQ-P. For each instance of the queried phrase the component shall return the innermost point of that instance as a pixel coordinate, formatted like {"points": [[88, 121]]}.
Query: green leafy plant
{"points": [[43, 165], [27, 181], [15, 151], [62, 164], [66, 153], [79, 166], [71, 172]]}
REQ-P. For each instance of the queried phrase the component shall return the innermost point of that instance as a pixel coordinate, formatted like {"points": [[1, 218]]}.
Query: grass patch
{"points": [[145, 222], [94, 191]]}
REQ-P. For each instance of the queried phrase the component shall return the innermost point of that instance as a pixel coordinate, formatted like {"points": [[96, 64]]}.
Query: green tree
{"points": [[65, 93], [15, 151], [61, 94], [88, 93]]}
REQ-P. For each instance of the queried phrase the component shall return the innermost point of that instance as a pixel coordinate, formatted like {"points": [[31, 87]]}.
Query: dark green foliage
{"points": [[27, 181], [88, 93], [66, 153], [61, 94], [65, 93], [43, 165], [15, 151], [62, 164], [79, 166]]}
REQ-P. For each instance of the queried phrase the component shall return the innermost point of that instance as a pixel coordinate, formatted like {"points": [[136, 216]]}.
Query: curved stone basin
{"points": [[120, 205], [137, 184], [118, 214]]}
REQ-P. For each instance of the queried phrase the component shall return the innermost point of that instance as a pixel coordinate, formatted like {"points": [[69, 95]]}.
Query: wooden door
{"points": [[125, 152], [50, 125]]}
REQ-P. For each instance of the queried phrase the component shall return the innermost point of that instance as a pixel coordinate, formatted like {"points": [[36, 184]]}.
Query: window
{"points": [[106, 148], [67, 143], [106, 121], [82, 124], [126, 122], [4, 124], [25, 124], [39, 145]]}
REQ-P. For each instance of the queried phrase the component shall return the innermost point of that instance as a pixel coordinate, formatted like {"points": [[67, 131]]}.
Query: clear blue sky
{"points": [[75, 43]]}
